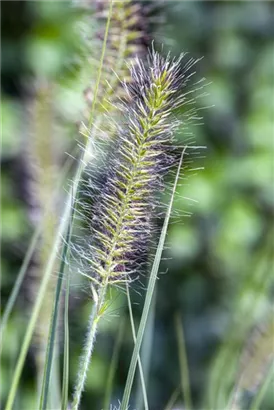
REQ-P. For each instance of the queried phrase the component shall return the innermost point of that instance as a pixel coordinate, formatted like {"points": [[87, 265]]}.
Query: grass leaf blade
{"points": [[19, 281], [113, 364], [139, 359], [52, 332], [146, 350], [36, 310], [64, 404], [256, 403], [32, 246], [185, 385]]}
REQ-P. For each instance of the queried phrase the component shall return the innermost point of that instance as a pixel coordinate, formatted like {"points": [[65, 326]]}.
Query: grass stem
{"points": [[97, 311], [185, 384], [139, 359]]}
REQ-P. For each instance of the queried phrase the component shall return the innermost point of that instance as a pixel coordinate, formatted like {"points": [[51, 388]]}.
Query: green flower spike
{"points": [[140, 156]]}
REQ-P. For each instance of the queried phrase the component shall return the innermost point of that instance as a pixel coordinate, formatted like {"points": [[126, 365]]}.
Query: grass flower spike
{"points": [[139, 158], [127, 39]]}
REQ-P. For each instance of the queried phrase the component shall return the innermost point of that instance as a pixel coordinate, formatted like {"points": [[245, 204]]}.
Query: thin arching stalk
{"points": [[97, 312], [113, 364], [74, 193], [139, 359], [185, 384], [52, 258]]}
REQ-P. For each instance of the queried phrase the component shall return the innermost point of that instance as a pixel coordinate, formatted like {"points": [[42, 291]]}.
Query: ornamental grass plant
{"points": [[109, 150]]}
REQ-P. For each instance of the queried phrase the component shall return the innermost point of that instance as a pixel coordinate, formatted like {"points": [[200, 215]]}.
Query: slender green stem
{"points": [[146, 351], [255, 405], [19, 281], [96, 314], [66, 347], [37, 307], [100, 65], [29, 253], [56, 246], [171, 402], [113, 364], [55, 389], [254, 284], [139, 359], [39, 299], [54, 317], [185, 385]]}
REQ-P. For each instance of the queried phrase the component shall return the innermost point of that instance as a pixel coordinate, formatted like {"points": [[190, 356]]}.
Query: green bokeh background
{"points": [[213, 257]]}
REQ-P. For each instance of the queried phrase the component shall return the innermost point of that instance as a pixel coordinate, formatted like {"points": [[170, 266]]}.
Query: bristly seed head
{"points": [[140, 156]]}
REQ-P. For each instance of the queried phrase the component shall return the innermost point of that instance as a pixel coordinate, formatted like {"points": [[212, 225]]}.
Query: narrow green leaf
{"points": [[19, 281], [149, 294], [146, 350], [53, 326], [256, 403], [37, 307], [55, 388], [254, 284], [104, 47], [44, 395], [39, 299], [64, 404], [113, 365], [143, 385], [32, 246], [173, 398], [185, 385], [48, 270]]}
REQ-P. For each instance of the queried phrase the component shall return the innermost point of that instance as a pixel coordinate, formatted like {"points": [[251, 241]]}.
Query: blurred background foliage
{"points": [[219, 262]]}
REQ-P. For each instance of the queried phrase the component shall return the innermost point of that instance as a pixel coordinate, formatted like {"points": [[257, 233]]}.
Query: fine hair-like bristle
{"points": [[120, 221], [138, 159]]}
